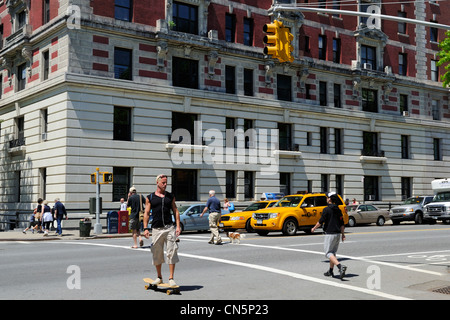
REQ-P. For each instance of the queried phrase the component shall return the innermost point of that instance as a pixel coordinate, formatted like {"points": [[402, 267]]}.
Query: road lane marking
{"points": [[389, 264], [267, 269]]}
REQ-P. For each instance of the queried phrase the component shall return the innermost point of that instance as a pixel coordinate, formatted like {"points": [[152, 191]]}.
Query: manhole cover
{"points": [[444, 290]]}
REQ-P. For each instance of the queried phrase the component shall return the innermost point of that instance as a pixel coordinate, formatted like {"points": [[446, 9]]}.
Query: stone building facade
{"points": [[140, 88]]}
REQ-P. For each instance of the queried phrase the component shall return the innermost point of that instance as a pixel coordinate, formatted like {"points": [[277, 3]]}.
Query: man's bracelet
{"points": [[147, 229]]}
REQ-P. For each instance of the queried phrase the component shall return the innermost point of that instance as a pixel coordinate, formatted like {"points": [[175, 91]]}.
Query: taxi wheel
{"points": [[248, 226], [289, 227]]}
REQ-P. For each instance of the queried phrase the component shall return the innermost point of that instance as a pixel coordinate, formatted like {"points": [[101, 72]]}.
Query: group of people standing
{"points": [[43, 217]]}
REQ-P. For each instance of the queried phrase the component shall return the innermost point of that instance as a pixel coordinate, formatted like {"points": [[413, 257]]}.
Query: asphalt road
{"points": [[384, 263]]}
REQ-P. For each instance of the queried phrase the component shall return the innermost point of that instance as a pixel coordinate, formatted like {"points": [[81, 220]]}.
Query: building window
{"points": [[17, 186], [323, 140], [21, 20], [401, 25], [230, 79], [230, 27], [121, 182], [403, 103], [369, 100], [435, 111], [406, 188], [44, 124], [185, 17], [337, 50], [437, 149], [323, 93], [434, 71], [123, 10], [368, 57], [122, 124], [46, 64], [249, 138], [181, 120], [307, 46], [405, 146], [184, 184], [43, 182], [249, 185], [285, 136], [19, 126], [338, 141], [123, 64], [285, 183], [340, 184], [370, 145], [185, 73], [248, 31], [248, 82], [45, 12], [284, 90], [337, 95], [371, 192], [324, 183], [322, 47], [230, 182], [402, 64], [434, 33], [230, 127], [21, 77]]}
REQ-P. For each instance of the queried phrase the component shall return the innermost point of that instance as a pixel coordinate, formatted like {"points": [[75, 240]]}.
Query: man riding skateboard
{"points": [[164, 232]]}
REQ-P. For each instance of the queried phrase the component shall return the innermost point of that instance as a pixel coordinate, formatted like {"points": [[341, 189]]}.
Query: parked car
{"points": [[411, 210], [366, 213], [190, 219], [241, 219]]}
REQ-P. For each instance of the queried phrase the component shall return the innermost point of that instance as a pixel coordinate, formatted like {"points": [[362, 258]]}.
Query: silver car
{"points": [[366, 213], [411, 210]]}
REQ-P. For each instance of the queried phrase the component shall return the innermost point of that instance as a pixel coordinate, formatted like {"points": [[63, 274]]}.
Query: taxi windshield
{"points": [[289, 201]]}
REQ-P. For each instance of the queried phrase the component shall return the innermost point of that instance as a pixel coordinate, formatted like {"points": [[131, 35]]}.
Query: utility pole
{"points": [[98, 225]]}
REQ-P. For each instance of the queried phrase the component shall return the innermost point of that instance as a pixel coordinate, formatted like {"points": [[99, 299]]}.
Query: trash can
{"points": [[113, 222], [85, 227]]}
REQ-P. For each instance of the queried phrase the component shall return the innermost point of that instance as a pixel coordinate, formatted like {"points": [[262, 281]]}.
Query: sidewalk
{"points": [[18, 235]]}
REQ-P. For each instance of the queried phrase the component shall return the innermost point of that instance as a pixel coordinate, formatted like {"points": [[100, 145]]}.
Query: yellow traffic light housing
{"points": [[272, 39], [94, 178], [286, 49], [278, 41], [107, 177]]}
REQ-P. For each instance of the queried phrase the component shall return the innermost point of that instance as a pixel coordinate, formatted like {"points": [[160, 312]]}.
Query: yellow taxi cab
{"points": [[241, 220], [292, 213]]}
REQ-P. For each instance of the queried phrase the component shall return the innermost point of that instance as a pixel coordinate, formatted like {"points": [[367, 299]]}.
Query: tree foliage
{"points": [[444, 59]]}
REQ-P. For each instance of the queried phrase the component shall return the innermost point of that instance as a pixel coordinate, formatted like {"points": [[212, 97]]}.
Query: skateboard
{"points": [[162, 286]]}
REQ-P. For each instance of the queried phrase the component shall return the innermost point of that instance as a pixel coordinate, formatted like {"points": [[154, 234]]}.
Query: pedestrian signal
{"points": [[107, 177], [93, 178], [286, 49]]}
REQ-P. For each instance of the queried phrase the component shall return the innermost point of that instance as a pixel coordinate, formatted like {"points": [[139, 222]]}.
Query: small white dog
{"points": [[235, 237]]}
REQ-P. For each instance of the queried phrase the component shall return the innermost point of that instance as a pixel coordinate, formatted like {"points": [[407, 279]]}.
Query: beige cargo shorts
{"points": [[164, 236]]}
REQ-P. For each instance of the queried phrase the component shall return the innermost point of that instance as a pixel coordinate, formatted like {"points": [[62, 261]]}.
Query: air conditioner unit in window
{"points": [[367, 66], [406, 113]]}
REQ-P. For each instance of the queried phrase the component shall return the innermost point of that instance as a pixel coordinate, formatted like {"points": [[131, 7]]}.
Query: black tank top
{"points": [[161, 207]]}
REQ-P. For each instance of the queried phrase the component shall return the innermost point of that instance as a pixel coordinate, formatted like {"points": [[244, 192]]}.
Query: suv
{"points": [[411, 210], [292, 213]]}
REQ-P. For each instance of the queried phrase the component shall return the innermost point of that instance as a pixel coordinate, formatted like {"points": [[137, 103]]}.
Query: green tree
{"points": [[444, 58]]}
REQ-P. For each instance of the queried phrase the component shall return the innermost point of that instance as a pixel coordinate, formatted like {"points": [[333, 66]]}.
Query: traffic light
{"points": [[278, 41], [272, 39], [285, 42], [107, 177], [94, 178]]}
